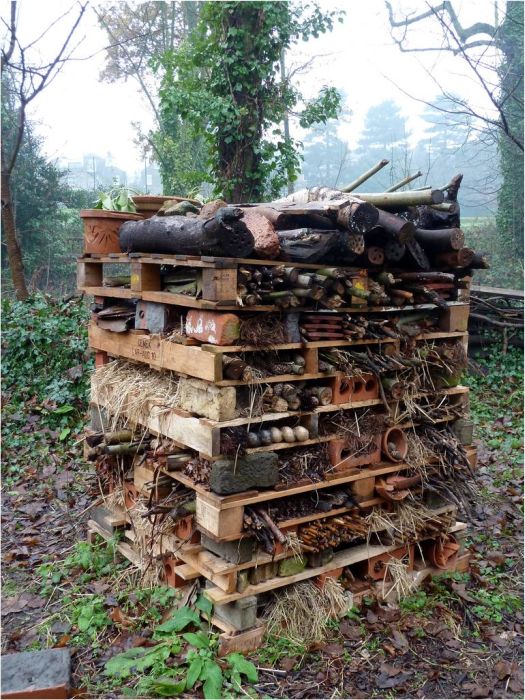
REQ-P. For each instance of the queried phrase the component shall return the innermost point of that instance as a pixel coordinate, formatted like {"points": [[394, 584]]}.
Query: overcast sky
{"points": [[79, 114]]}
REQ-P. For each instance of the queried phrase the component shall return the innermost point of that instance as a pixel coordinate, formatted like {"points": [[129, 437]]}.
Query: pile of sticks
{"points": [[328, 533], [291, 287]]}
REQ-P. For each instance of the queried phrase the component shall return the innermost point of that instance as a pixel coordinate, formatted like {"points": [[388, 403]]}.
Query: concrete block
{"points": [[36, 674], [259, 470], [241, 614], [236, 552]]}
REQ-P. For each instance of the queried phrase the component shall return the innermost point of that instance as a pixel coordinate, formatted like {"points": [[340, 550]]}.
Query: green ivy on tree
{"points": [[510, 201], [224, 83]]}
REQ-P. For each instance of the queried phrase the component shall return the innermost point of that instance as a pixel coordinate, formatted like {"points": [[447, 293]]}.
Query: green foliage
{"points": [[199, 665], [87, 562], [224, 83], [506, 270], [45, 379], [276, 648], [48, 226], [510, 200], [118, 198], [496, 402]]}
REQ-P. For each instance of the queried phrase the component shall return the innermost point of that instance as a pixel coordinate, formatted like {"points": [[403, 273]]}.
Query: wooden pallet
{"points": [[206, 361], [204, 435], [221, 517], [217, 277]]}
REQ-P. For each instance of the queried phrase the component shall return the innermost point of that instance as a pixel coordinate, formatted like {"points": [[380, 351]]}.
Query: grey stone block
{"points": [[241, 614], [259, 470], [28, 673], [236, 552]]}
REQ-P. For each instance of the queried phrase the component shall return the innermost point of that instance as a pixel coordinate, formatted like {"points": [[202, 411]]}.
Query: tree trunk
{"points": [[14, 253]]}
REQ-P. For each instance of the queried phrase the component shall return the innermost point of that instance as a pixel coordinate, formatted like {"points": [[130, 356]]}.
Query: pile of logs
{"points": [[411, 230]]}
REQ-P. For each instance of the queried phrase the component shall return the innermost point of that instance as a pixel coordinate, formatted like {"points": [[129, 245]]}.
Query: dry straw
{"points": [[128, 391], [301, 612]]}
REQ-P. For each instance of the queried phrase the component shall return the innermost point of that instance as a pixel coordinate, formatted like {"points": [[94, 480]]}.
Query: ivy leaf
{"points": [[242, 665], [63, 435], [194, 671], [66, 408], [213, 684], [180, 619]]}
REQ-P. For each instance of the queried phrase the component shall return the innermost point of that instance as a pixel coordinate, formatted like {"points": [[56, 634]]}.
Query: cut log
{"points": [[416, 255], [440, 240], [396, 226], [224, 234], [479, 262], [311, 245], [349, 212], [457, 258], [266, 239], [394, 251], [400, 201]]}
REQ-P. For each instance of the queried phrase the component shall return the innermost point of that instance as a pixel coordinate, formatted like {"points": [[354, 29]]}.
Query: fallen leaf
{"points": [[18, 603], [399, 639], [63, 641], [371, 617], [459, 590], [334, 649], [287, 664], [385, 681], [350, 631], [389, 670]]}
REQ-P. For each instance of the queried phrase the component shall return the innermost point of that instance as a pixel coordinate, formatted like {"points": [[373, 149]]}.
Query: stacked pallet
{"points": [[259, 422]]}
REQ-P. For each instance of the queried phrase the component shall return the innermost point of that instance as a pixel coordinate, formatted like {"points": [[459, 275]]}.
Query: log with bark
{"points": [[223, 234]]}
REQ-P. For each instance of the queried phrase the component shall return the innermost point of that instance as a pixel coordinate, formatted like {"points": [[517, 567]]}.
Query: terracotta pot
{"points": [[185, 530], [149, 204], [101, 229], [341, 457], [442, 552], [397, 438]]}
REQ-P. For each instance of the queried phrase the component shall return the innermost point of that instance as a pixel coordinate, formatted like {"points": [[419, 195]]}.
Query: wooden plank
{"points": [[113, 292], [497, 291], [144, 277], [125, 549], [182, 300], [219, 285], [186, 572], [89, 274], [241, 642], [158, 353]]}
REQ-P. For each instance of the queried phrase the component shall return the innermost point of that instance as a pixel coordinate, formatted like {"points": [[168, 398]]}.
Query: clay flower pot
{"points": [[101, 229], [394, 444], [442, 552]]}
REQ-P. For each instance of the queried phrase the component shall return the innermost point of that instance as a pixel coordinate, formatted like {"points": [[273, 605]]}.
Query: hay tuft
{"points": [[301, 612], [128, 391]]}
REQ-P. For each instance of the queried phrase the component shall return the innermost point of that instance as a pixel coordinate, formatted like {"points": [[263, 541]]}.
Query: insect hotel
{"points": [[277, 394]]}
